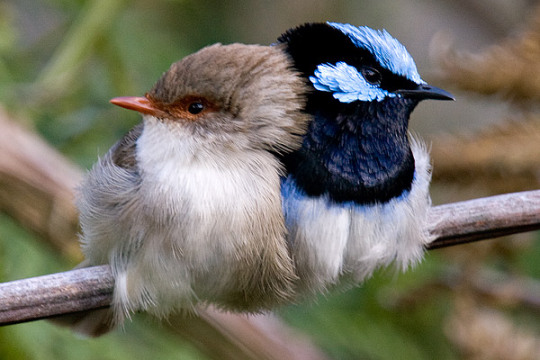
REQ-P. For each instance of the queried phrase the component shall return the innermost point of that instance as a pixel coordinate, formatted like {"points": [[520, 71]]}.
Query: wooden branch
{"points": [[479, 219], [239, 336], [91, 288], [55, 294]]}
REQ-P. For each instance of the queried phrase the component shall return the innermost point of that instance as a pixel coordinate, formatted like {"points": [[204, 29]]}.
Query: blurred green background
{"points": [[60, 63]]}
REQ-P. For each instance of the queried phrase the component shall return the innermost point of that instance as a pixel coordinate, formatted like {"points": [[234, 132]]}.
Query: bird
{"points": [[260, 176], [356, 193], [186, 207]]}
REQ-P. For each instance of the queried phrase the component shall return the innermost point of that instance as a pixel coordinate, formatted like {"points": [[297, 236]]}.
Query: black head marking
{"points": [[364, 87], [355, 151], [314, 44]]}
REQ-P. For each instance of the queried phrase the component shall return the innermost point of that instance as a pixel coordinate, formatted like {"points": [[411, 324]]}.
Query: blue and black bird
{"points": [[355, 196]]}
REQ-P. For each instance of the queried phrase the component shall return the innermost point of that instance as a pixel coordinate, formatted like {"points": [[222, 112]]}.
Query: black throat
{"points": [[356, 152]]}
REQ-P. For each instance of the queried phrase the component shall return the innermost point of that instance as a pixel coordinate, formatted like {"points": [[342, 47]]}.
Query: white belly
{"points": [[202, 227], [334, 242]]}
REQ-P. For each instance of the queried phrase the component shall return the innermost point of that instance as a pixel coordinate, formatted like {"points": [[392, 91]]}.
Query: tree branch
{"points": [[91, 288], [55, 294], [485, 218]]}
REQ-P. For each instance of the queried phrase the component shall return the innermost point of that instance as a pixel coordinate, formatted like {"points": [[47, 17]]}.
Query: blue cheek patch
{"points": [[346, 83]]}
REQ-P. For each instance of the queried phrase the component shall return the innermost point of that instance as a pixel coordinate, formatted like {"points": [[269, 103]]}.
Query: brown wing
{"points": [[123, 153]]}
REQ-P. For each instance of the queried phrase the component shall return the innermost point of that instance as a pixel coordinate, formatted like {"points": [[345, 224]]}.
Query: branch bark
{"points": [[240, 337], [62, 293], [485, 218]]}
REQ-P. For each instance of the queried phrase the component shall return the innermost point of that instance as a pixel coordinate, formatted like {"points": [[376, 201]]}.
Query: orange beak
{"points": [[140, 104]]}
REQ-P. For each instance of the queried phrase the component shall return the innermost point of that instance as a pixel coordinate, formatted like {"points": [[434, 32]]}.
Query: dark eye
{"points": [[371, 75], [195, 108]]}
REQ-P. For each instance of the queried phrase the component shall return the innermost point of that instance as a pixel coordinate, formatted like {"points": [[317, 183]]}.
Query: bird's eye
{"points": [[371, 75], [195, 108]]}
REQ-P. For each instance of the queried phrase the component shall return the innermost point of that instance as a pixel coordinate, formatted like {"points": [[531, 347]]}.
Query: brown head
{"points": [[248, 95]]}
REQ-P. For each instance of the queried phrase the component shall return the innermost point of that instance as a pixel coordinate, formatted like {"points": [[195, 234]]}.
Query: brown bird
{"points": [[186, 207]]}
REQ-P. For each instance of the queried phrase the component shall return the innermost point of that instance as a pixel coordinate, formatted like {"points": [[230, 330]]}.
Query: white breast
{"points": [[199, 212], [347, 242]]}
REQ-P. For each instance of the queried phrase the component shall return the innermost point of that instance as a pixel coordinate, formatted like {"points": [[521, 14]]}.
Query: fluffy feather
{"points": [[356, 195], [336, 243], [188, 211]]}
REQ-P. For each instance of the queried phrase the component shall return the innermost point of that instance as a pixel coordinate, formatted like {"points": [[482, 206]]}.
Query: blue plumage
{"points": [[349, 154], [387, 50], [356, 193], [346, 83]]}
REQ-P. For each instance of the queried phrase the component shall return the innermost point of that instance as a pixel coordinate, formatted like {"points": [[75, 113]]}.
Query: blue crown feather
{"points": [[389, 52]]}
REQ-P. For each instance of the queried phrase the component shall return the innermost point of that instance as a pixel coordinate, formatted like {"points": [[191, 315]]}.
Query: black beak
{"points": [[425, 91]]}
